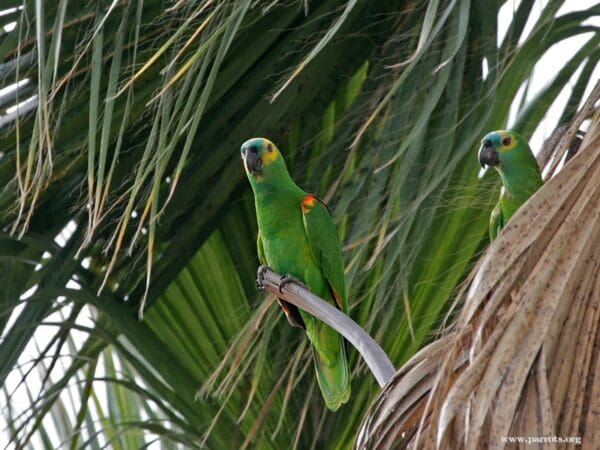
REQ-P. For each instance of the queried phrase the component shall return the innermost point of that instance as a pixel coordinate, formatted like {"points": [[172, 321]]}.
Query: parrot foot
{"points": [[285, 279], [260, 278]]}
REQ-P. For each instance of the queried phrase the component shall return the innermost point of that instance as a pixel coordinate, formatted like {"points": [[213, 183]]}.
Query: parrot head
{"points": [[502, 149], [262, 160]]}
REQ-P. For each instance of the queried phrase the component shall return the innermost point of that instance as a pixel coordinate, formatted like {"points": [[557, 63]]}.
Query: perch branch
{"points": [[297, 294]]}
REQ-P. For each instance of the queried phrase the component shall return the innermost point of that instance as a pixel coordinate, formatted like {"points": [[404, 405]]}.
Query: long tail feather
{"points": [[333, 377]]}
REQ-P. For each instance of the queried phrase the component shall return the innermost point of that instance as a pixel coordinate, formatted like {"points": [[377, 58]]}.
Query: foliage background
{"points": [[131, 162]]}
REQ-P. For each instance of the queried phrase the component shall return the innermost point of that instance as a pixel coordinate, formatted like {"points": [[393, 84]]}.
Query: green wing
{"points": [[325, 246], [496, 222]]}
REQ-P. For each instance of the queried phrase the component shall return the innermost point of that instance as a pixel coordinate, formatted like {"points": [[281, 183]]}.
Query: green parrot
{"points": [[511, 156], [298, 237]]}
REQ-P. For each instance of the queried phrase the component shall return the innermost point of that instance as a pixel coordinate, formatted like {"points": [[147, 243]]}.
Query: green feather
{"points": [[260, 250], [325, 246], [520, 174], [300, 238], [496, 222]]}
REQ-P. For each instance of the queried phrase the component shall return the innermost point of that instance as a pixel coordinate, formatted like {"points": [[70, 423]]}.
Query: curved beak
{"points": [[252, 159], [488, 155]]}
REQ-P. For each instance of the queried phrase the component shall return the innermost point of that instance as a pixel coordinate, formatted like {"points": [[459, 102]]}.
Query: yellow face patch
{"points": [[508, 141], [270, 153]]}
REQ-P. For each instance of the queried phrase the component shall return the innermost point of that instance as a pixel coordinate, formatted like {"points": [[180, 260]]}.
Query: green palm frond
{"points": [[131, 144]]}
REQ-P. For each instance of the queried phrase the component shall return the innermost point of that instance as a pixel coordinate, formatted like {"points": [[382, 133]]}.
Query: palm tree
{"points": [[519, 363], [124, 195]]}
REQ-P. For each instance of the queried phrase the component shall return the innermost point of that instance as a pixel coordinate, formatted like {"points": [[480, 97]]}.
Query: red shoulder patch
{"points": [[308, 202]]}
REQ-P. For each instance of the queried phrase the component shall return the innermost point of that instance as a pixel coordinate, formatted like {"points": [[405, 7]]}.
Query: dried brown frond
{"points": [[522, 356]]}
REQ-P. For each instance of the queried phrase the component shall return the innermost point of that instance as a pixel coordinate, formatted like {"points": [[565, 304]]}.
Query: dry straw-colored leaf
{"points": [[522, 356]]}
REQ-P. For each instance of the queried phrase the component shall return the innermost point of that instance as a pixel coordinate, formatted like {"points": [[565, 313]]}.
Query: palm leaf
{"points": [[381, 108], [524, 340]]}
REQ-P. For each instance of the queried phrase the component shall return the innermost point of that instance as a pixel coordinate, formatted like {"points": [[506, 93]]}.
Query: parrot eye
{"points": [[506, 141], [269, 148]]}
